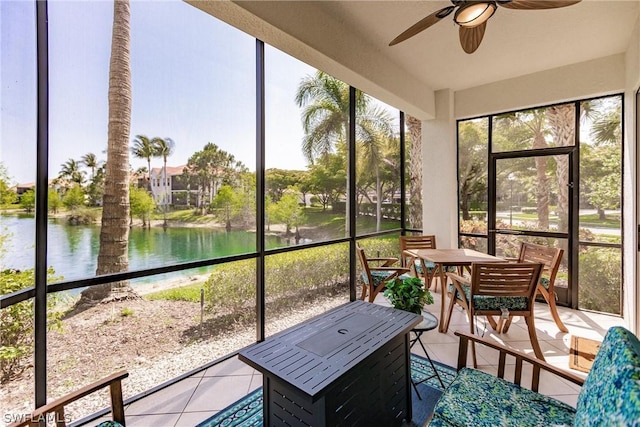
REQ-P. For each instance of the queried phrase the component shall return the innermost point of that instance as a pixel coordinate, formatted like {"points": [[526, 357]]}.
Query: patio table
{"points": [[443, 258]]}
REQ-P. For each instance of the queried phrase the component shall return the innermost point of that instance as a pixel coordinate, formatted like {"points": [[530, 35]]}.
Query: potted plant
{"points": [[408, 294]]}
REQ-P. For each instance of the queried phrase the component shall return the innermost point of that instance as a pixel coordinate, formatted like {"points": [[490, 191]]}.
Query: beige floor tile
{"points": [[190, 419], [216, 393]]}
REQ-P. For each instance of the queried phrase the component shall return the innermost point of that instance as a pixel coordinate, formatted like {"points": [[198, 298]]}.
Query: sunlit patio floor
{"points": [[196, 398]]}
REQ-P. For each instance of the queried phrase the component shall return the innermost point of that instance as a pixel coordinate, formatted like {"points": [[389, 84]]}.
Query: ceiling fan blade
{"points": [[423, 24], [536, 4], [470, 38]]}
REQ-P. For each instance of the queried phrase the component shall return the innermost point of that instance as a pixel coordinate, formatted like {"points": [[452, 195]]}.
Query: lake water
{"points": [[72, 251]]}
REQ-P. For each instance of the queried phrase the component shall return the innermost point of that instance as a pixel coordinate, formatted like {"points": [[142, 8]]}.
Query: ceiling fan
{"points": [[472, 18]]}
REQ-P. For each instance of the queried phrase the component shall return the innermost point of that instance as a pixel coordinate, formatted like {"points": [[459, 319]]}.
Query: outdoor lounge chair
{"points": [[609, 395], [376, 272], [497, 289], [551, 259], [54, 411]]}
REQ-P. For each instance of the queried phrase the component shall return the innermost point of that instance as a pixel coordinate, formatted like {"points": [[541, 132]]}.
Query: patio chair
{"points": [[376, 272], [54, 411], [417, 266], [501, 289], [551, 259]]}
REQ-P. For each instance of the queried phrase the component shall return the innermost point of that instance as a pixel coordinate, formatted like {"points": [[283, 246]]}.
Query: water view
{"points": [[73, 250]]}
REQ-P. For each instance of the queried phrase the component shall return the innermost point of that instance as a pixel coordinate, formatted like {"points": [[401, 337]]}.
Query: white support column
{"points": [[439, 173]]}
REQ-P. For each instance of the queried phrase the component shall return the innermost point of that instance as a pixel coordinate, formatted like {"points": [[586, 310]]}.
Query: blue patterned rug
{"points": [[247, 412]]}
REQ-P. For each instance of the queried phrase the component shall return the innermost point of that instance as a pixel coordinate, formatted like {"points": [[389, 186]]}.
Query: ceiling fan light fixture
{"points": [[473, 14]]}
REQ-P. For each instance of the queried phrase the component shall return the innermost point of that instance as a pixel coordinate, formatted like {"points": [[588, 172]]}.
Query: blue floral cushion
{"points": [[610, 394], [476, 398], [430, 266], [109, 424], [379, 277], [484, 302], [545, 282]]}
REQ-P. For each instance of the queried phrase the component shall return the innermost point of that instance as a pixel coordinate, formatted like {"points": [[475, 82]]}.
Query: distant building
{"points": [[20, 189], [172, 190]]}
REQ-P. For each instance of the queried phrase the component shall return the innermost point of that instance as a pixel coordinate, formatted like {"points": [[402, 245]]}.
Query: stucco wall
{"points": [[631, 191]]}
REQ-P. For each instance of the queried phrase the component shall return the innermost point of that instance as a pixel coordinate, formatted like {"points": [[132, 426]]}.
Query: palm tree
{"points": [[143, 148], [373, 132], [415, 172], [91, 161], [325, 117], [163, 147], [71, 170], [534, 122], [562, 121], [114, 232]]}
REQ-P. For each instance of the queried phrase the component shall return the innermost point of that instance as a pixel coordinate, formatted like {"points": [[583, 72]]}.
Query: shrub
{"points": [[16, 322], [231, 287], [82, 217], [190, 293], [600, 278]]}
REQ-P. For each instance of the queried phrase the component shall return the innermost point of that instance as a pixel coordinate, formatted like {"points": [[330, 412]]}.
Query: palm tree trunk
{"points": [[415, 172], [165, 195], [149, 174], [562, 119], [378, 199], [114, 232], [542, 187]]}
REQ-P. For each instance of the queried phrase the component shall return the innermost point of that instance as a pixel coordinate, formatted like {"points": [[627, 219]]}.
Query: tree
{"points": [[327, 178], [164, 148], [208, 169], [601, 166], [73, 198], [91, 161], [143, 148], [289, 212], [7, 194], [415, 172], [142, 204], [28, 200], [562, 120], [534, 121], [278, 180], [114, 232], [53, 201], [71, 171], [325, 119], [472, 163], [227, 201], [95, 189], [372, 135]]}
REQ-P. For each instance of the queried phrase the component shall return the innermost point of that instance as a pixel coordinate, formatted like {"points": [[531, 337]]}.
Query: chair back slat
{"points": [[505, 279], [550, 257], [363, 263], [417, 242]]}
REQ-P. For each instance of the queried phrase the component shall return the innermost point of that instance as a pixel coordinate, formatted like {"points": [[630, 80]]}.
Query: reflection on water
{"points": [[73, 250]]}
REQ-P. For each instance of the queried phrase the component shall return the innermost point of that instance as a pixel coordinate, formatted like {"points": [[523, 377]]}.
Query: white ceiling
{"points": [[349, 39], [516, 42]]}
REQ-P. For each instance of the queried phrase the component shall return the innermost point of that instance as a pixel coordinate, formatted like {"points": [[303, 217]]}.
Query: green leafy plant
{"points": [[126, 311], [408, 294], [16, 322]]}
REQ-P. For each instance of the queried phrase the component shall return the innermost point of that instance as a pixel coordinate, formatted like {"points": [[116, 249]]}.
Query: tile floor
{"points": [[199, 396]]}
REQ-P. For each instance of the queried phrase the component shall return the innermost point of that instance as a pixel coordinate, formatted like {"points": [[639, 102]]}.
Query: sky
{"points": [[193, 80]]}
